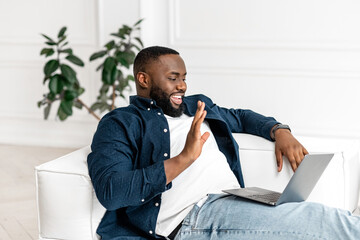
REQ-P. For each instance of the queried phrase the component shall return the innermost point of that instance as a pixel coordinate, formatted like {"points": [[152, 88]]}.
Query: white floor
{"points": [[18, 219]]}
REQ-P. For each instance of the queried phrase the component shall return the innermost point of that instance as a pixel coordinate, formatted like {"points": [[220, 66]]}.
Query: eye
{"points": [[172, 79]]}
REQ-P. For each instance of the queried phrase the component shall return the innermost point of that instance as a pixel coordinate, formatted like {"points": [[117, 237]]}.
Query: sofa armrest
{"points": [[337, 187], [67, 205]]}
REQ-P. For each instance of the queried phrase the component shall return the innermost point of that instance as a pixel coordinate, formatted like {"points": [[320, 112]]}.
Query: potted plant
{"points": [[61, 78], [118, 56]]}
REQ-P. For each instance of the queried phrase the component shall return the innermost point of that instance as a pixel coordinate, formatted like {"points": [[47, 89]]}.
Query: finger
{"points": [[279, 160], [199, 110], [199, 117], [205, 137], [298, 159], [293, 163], [197, 123], [305, 152]]}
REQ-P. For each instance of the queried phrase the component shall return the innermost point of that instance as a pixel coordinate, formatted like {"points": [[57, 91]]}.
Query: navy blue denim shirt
{"points": [[129, 148]]}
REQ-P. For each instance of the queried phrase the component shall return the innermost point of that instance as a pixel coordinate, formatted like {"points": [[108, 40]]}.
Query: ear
{"points": [[143, 80]]}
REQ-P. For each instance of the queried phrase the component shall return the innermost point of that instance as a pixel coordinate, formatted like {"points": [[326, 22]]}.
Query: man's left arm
{"points": [[287, 145], [247, 121]]}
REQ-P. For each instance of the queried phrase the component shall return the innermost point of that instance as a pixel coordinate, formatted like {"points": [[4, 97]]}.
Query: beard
{"points": [[163, 101]]}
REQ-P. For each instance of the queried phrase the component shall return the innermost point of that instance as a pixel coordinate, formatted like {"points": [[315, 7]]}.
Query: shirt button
{"points": [[148, 109], [156, 204], [159, 113], [151, 102], [143, 200], [165, 154], [165, 130], [151, 232]]}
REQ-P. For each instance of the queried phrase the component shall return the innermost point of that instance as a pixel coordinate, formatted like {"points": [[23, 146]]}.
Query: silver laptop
{"points": [[299, 187]]}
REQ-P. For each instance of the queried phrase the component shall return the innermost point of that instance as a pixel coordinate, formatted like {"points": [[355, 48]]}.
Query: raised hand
{"points": [[192, 149], [194, 140]]}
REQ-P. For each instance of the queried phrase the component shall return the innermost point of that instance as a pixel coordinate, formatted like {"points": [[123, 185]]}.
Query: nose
{"points": [[181, 86]]}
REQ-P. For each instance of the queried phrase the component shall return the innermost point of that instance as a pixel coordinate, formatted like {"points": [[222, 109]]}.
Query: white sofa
{"points": [[69, 209]]}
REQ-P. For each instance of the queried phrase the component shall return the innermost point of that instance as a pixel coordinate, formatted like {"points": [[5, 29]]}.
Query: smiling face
{"points": [[164, 81]]}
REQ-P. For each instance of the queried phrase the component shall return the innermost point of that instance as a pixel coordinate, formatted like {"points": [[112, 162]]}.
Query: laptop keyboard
{"points": [[271, 197]]}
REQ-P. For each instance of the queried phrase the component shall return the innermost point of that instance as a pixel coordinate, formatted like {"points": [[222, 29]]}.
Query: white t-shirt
{"points": [[210, 173]]}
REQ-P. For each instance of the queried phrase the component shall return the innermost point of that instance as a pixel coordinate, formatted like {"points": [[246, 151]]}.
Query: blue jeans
{"points": [[229, 217]]}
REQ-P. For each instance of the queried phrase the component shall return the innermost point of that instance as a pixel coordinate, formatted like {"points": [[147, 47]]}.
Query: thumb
{"points": [[205, 137]]}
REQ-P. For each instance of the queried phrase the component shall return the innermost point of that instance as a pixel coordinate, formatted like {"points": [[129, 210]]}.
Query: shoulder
{"points": [[124, 116], [199, 97]]}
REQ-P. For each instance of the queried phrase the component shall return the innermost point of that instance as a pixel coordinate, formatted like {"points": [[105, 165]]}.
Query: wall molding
{"points": [[176, 39], [324, 73]]}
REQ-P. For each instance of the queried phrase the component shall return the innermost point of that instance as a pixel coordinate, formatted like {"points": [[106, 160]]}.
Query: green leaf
{"points": [[64, 44], [45, 79], [98, 55], [47, 111], [75, 60], [67, 50], [66, 107], [48, 38], [62, 115], [68, 73], [70, 95], [109, 71], [96, 106], [124, 62], [125, 58], [78, 105], [51, 96], [62, 32], [104, 88], [50, 43], [109, 77], [131, 78], [117, 35], [110, 45], [109, 63], [139, 41], [50, 67], [138, 22], [39, 103], [47, 52], [114, 74], [56, 84], [137, 47], [99, 67], [61, 40], [80, 91]]}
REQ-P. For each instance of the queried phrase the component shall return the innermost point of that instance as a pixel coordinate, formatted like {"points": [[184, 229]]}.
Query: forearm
{"points": [[247, 121]]}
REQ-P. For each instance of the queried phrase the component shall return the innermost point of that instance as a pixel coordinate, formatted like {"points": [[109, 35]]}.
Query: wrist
{"points": [[278, 127]]}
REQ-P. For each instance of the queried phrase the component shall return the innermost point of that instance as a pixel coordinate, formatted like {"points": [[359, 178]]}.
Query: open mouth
{"points": [[176, 99]]}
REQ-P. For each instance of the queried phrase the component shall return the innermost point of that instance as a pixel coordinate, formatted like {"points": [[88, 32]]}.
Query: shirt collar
{"points": [[141, 102]]}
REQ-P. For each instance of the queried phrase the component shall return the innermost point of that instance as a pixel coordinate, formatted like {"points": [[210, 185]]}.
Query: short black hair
{"points": [[146, 55]]}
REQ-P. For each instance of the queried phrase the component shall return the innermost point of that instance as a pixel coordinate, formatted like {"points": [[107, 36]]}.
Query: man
{"points": [[158, 166]]}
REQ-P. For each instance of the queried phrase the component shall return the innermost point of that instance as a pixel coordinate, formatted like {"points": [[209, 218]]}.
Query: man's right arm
{"points": [[193, 147], [116, 180]]}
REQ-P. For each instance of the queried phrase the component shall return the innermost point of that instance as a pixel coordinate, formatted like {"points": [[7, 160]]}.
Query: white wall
{"points": [[296, 60], [89, 23]]}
